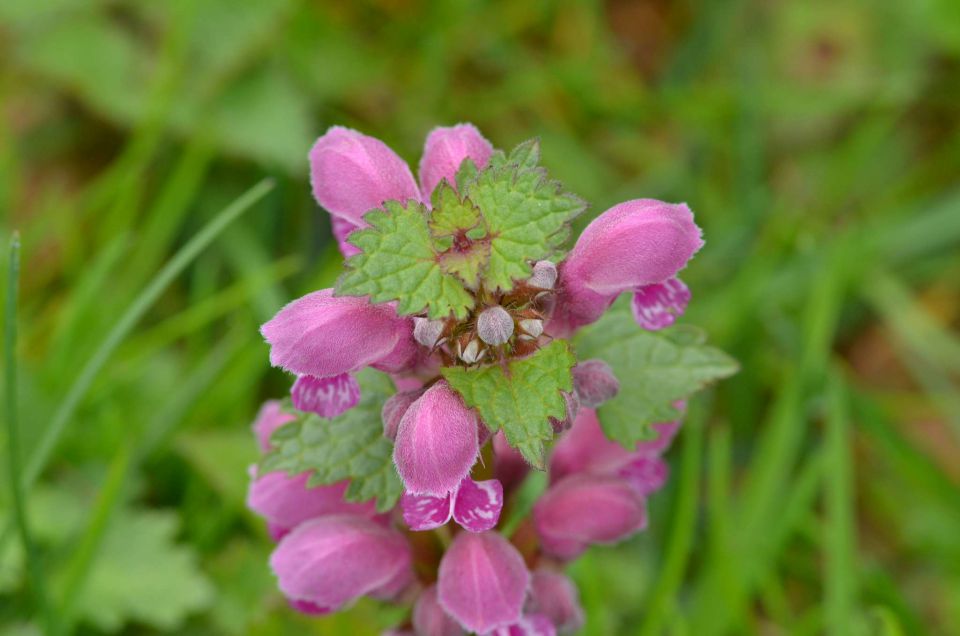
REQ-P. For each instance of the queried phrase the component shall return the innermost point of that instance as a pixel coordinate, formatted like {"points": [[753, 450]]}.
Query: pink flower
{"points": [[509, 465], [324, 335], [436, 443], [327, 397], [482, 581], [630, 246], [394, 409], [581, 510], [555, 596], [528, 625], [594, 383], [333, 560], [429, 619], [475, 505], [270, 418], [445, 150]]}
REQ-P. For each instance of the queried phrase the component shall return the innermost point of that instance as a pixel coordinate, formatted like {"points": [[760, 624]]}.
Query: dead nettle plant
{"points": [[461, 347]]}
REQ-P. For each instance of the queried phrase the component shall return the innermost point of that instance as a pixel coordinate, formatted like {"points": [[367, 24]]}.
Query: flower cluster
{"points": [[477, 382]]}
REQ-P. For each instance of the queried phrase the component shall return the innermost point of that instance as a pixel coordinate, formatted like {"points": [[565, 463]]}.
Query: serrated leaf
{"points": [[398, 262], [527, 213], [655, 369], [465, 174], [349, 446], [521, 400], [141, 575], [450, 214]]}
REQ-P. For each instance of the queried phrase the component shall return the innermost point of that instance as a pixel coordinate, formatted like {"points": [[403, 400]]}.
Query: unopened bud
{"points": [[594, 382], [533, 328], [544, 275], [472, 353], [394, 409], [495, 325], [427, 332]]}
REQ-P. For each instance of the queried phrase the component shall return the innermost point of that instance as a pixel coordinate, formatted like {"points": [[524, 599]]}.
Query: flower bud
{"points": [[427, 332], [495, 325], [532, 327], [645, 474], [270, 417], [444, 151], [544, 275], [323, 335], [327, 397], [657, 306], [333, 560], [472, 353], [555, 596], [286, 502], [482, 581], [436, 443], [594, 382], [429, 619], [352, 174], [581, 510], [394, 409], [585, 448]]}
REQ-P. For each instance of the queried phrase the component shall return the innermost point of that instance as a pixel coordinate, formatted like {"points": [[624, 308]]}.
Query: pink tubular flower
{"points": [[270, 418], [631, 245], [475, 505], [581, 510], [482, 581], [436, 443], [444, 151], [331, 561], [555, 596], [286, 502], [323, 335], [429, 619]]}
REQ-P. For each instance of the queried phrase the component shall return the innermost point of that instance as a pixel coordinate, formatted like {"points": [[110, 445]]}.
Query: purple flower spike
{"points": [[529, 625], [658, 306], [436, 443], [332, 561], [327, 397], [645, 474], [585, 509], [445, 150], [286, 502], [474, 505], [554, 595], [429, 619], [631, 245], [478, 504], [352, 174], [482, 581], [323, 335], [594, 382], [270, 418]]}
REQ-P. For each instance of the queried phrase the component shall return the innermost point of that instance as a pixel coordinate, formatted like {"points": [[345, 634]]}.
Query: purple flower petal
{"points": [[482, 581], [270, 418], [332, 561], [594, 382], [645, 474], [666, 431], [585, 448], [394, 409], [342, 229], [429, 619], [436, 443], [308, 608], [445, 150], [327, 397], [352, 174], [478, 504], [529, 625], [285, 501], [657, 306], [426, 512], [555, 596]]}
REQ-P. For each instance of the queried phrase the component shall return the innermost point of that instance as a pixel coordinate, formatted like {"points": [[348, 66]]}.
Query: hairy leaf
{"points": [[398, 262], [528, 214], [349, 446], [655, 369], [522, 399]]}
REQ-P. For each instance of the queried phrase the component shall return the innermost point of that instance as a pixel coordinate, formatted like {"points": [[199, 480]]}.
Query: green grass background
{"points": [[818, 142]]}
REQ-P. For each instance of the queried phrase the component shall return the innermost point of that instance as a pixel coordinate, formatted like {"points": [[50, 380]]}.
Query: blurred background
{"points": [[817, 141]]}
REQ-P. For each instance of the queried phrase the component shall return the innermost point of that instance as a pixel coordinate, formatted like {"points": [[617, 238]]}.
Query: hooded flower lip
{"points": [[436, 443], [475, 505], [482, 581], [333, 560], [325, 335], [444, 151], [582, 510]]}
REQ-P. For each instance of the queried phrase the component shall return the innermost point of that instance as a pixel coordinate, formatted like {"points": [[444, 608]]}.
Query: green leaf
{"points": [[458, 231], [527, 213], [142, 575], [522, 399], [398, 262], [349, 446], [655, 369]]}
